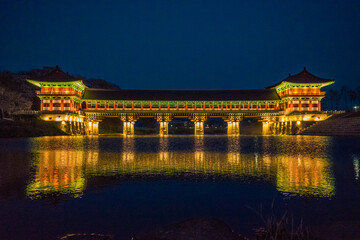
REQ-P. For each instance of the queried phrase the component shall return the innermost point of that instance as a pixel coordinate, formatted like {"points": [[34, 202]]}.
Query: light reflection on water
{"points": [[356, 166], [296, 166]]}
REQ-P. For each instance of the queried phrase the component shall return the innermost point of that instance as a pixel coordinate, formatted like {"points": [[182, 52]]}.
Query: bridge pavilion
{"points": [[80, 108]]}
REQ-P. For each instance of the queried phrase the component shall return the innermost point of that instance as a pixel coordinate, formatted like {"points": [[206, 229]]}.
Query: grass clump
{"points": [[281, 228]]}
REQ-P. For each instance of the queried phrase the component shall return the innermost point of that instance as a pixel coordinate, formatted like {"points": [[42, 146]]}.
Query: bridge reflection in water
{"points": [[64, 171]]}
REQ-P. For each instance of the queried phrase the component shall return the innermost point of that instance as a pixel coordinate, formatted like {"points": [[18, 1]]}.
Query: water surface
{"points": [[51, 186]]}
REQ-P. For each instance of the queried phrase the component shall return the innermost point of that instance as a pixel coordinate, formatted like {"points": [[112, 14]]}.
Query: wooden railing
{"points": [[58, 93]]}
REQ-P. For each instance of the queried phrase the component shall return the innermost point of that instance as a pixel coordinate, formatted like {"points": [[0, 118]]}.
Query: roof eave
{"points": [[34, 82], [40, 83]]}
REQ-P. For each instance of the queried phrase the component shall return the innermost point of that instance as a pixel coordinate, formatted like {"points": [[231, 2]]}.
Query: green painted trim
{"points": [[287, 99], [208, 113], [76, 99], [182, 103], [78, 84], [284, 85]]}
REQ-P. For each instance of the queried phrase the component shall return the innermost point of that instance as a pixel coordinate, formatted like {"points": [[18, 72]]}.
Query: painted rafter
{"points": [[182, 103], [288, 85], [78, 84]]}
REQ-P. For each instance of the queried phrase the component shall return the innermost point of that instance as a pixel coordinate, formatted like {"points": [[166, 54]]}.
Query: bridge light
{"points": [[298, 122], [306, 118]]}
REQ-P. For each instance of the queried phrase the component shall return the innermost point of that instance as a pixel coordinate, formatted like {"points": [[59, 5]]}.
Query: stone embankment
{"points": [[346, 124], [29, 128]]}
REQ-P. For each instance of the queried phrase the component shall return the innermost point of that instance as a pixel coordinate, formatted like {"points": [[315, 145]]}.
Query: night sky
{"points": [[182, 44]]}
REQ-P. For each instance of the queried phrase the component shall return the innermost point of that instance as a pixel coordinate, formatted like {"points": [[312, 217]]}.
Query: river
{"points": [[51, 186]]}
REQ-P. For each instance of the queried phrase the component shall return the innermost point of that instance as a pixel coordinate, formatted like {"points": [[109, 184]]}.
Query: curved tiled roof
{"points": [[303, 77], [181, 95], [57, 75]]}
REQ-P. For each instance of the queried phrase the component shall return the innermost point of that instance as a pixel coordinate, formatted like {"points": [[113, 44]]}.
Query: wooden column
{"points": [[199, 128]]}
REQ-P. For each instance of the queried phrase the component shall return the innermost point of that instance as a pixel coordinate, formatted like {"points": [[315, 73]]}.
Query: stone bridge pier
{"points": [[233, 125], [163, 121], [91, 128], [199, 121], [128, 124]]}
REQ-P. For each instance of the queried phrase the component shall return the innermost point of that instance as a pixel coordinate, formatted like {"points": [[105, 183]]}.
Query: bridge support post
{"points": [[233, 125], [128, 128], [91, 128], [265, 128], [82, 126], [290, 128], [199, 127], [164, 128], [233, 128], [198, 124], [77, 127], [96, 128], [129, 122], [163, 124], [70, 127]]}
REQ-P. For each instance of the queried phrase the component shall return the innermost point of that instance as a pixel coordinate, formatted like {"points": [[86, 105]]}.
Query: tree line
{"points": [[343, 98]]}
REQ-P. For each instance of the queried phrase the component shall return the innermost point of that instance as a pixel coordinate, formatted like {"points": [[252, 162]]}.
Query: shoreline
{"points": [[340, 125]]}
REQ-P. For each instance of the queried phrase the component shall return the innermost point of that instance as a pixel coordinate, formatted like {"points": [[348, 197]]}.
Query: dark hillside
{"points": [[17, 94]]}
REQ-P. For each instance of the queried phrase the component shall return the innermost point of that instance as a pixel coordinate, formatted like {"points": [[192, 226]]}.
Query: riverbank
{"points": [[345, 124], [214, 229], [29, 128]]}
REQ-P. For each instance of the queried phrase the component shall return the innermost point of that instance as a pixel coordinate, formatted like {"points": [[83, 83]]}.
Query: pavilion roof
{"points": [[304, 77], [181, 95], [56, 75]]}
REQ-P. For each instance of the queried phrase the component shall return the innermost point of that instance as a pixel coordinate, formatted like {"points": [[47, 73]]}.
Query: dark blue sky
{"points": [[184, 44]]}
